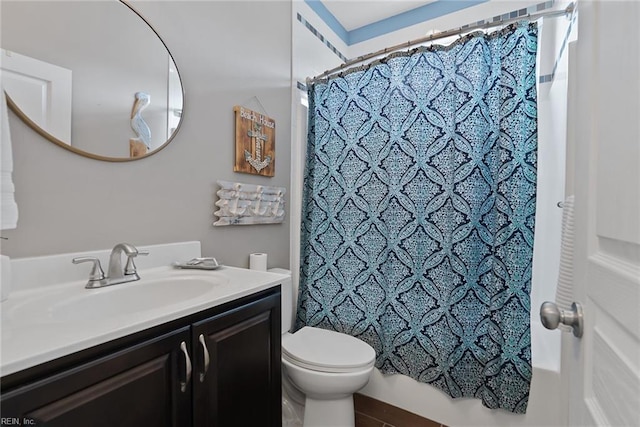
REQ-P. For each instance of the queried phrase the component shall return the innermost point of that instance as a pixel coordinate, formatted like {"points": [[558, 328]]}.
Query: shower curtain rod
{"points": [[440, 35]]}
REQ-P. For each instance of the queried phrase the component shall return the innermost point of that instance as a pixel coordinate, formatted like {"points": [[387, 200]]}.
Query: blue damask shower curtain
{"points": [[419, 206]]}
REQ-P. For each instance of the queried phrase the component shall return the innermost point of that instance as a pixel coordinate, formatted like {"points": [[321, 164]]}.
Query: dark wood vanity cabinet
{"points": [[233, 353], [135, 386], [242, 386]]}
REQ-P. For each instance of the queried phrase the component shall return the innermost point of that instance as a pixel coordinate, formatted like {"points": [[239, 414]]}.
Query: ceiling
{"points": [[332, 31], [357, 21], [358, 13]]}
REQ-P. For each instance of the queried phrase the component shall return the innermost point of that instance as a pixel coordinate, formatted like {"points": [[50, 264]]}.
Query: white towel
{"points": [[564, 291], [8, 206], [5, 277]]}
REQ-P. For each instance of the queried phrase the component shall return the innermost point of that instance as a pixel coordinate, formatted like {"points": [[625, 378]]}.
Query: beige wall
{"points": [[227, 53]]}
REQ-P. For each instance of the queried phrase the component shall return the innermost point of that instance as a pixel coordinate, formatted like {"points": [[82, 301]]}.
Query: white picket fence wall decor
{"points": [[246, 204]]}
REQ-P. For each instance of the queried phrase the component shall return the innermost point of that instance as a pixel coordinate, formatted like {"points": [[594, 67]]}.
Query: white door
{"points": [[604, 120], [41, 90]]}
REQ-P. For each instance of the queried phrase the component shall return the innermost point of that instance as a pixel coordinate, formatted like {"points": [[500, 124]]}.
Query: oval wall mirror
{"points": [[93, 77]]}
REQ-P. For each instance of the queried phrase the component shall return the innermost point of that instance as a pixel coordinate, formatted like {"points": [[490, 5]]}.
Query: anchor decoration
{"points": [[255, 142], [260, 139]]}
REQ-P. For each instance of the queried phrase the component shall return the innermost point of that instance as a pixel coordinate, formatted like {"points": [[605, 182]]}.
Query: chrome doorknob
{"points": [[551, 317]]}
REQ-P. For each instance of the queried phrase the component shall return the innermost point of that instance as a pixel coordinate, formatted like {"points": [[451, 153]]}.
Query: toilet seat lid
{"points": [[326, 351]]}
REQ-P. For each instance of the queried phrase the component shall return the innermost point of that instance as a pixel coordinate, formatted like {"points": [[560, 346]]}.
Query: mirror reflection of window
{"points": [[174, 112]]}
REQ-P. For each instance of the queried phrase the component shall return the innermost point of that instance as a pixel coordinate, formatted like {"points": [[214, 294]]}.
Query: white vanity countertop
{"points": [[43, 324]]}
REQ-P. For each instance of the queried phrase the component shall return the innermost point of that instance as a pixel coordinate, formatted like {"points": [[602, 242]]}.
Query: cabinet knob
{"points": [[205, 356], [187, 363]]}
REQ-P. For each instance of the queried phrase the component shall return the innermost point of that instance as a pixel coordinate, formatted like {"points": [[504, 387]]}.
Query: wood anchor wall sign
{"points": [[255, 142]]}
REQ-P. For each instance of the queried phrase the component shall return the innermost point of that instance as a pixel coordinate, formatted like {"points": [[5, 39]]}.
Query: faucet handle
{"points": [[130, 267], [96, 271]]}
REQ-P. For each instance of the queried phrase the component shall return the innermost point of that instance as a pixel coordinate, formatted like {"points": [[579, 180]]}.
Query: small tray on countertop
{"points": [[199, 264]]}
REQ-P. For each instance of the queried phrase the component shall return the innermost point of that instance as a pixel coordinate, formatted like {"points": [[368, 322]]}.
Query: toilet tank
{"points": [[286, 299]]}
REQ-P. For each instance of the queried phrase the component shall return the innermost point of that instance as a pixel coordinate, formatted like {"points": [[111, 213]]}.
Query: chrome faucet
{"points": [[117, 274]]}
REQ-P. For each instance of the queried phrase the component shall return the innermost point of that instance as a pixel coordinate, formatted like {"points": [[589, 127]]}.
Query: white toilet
{"points": [[321, 370]]}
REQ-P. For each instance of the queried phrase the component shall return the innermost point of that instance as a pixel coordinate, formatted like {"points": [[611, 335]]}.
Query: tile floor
{"points": [[374, 413]]}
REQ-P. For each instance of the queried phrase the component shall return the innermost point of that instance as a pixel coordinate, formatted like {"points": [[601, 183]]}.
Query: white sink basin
{"points": [[73, 303], [133, 297]]}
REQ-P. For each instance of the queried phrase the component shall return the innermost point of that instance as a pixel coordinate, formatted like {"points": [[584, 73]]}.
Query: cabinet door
{"points": [[137, 386], [241, 386]]}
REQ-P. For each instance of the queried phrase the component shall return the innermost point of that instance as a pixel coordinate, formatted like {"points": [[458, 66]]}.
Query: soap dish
{"points": [[199, 264]]}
